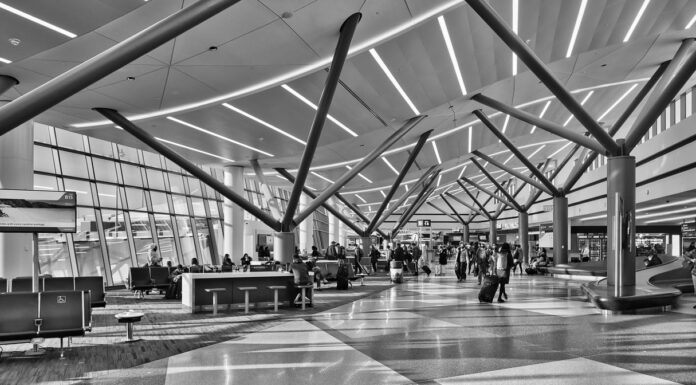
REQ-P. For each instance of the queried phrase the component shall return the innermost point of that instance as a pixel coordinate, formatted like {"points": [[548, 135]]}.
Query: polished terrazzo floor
{"points": [[433, 330]]}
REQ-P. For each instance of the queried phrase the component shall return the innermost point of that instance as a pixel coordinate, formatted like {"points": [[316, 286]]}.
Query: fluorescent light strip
{"points": [[462, 172], [390, 166], [439, 180], [582, 104], [535, 152], [636, 20], [263, 123], [193, 149], [450, 49], [361, 198], [470, 136], [322, 177], [509, 158], [391, 77], [560, 149], [515, 29], [383, 194], [505, 123], [6, 61], [672, 219], [315, 107], [691, 22], [360, 175], [543, 111], [406, 187], [664, 205], [576, 29], [173, 119], [38, 21], [616, 103], [437, 153], [663, 213], [44, 187]]}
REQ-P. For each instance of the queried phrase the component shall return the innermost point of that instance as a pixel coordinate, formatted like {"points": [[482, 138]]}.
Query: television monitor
{"points": [[31, 211]]}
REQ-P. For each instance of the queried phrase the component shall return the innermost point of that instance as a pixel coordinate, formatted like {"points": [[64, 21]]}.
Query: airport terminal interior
{"points": [[347, 192]]}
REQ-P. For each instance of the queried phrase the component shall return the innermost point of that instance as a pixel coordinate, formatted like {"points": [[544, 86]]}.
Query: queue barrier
{"points": [[95, 285], [48, 314]]}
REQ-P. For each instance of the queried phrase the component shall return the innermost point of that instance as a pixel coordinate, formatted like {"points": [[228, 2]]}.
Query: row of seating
{"points": [[95, 285], [142, 279], [50, 314]]}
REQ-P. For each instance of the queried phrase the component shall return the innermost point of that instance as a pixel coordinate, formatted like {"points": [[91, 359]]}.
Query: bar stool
{"points": [[362, 278], [275, 295], [246, 290], [304, 292], [215, 292]]}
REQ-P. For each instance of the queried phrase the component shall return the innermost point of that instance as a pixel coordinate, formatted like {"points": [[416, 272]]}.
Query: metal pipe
{"points": [[500, 188], [483, 209], [81, 76], [273, 205], [339, 58], [516, 151], [359, 213], [187, 165], [512, 171], [543, 124], [453, 210], [534, 63], [650, 113], [353, 172], [399, 178], [483, 190], [671, 69], [285, 174]]}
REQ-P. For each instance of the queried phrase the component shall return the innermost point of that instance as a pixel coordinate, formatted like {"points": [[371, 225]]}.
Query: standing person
{"points": [[246, 262], [340, 251], [409, 258], [473, 252], [389, 253], [481, 263], [356, 263], [154, 257], [463, 256], [374, 257], [517, 259], [503, 265], [442, 262]]}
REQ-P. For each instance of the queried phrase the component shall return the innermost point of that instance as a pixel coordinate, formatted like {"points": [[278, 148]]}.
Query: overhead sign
{"points": [[423, 223], [688, 229], [30, 211]]}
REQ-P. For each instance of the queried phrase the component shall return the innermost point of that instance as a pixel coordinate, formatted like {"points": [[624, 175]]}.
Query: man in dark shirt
{"points": [[301, 277]]}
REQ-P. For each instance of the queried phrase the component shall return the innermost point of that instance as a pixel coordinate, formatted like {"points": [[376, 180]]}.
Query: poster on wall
{"points": [[30, 211]]}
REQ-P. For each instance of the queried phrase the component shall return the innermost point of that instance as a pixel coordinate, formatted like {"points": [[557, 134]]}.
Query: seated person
{"points": [[301, 277], [227, 263], [195, 267], [318, 276], [246, 262], [652, 260]]}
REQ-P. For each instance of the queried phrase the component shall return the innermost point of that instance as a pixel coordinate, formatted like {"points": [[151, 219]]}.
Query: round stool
{"points": [[215, 292], [246, 290], [275, 295], [129, 318], [362, 279], [304, 293]]}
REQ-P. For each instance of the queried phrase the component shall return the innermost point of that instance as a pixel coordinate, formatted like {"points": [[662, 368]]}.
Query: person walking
{"points": [[460, 262], [503, 265], [482, 264], [374, 257], [517, 259], [442, 262]]}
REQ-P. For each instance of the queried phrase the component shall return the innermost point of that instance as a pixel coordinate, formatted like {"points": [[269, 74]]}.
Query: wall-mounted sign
{"points": [[423, 223], [29, 211], [688, 229]]}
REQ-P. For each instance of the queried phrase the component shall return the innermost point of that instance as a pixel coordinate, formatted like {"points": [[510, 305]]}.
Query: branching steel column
{"points": [[339, 58], [492, 194], [266, 189], [359, 214], [353, 172], [578, 171], [397, 183], [184, 163], [81, 76], [543, 167], [431, 204], [470, 207], [283, 172], [512, 171], [453, 210], [473, 198], [527, 55], [510, 200], [651, 112], [422, 197], [515, 151]]}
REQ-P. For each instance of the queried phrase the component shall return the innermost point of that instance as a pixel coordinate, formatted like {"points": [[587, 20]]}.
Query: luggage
{"points": [[426, 269], [174, 289], [488, 289], [342, 276], [396, 271], [530, 271]]}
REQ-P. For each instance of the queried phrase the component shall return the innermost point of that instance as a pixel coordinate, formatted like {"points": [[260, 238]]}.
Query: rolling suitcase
{"points": [[488, 289], [426, 269]]}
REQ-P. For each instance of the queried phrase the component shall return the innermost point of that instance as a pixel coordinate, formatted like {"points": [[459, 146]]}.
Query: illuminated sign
{"points": [[29, 211]]}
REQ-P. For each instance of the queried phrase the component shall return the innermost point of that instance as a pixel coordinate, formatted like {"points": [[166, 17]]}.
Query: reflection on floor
{"points": [[434, 330]]}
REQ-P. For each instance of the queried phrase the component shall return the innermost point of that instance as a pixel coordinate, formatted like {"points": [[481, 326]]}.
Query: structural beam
{"points": [[187, 165], [7, 82], [353, 172], [283, 172], [516, 151], [84, 74], [512, 171], [461, 202], [485, 191], [510, 200], [422, 197], [473, 198], [543, 124], [339, 58], [266, 189], [453, 210], [431, 204], [587, 161], [533, 197], [534, 63], [397, 182], [360, 215], [651, 112]]}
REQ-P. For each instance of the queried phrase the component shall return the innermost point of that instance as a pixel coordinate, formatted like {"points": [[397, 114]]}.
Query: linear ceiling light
{"points": [[470, 136], [173, 119], [536, 151], [462, 172], [515, 29], [439, 180], [663, 213], [391, 77], [383, 194], [314, 106], [263, 123], [574, 36], [505, 123], [406, 187], [36, 20], [691, 22], [509, 158], [322, 177], [6, 61], [193, 149], [437, 153], [636, 20], [361, 198], [450, 49], [616, 103], [543, 111], [390, 166], [360, 175], [560, 149], [692, 216], [670, 204], [582, 104]]}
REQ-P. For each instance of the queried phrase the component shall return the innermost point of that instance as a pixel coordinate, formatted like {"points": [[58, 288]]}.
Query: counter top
{"points": [[236, 274]]}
